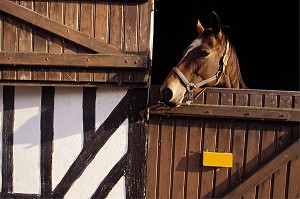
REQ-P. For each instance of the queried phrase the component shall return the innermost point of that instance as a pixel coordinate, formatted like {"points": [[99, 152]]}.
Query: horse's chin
{"points": [[175, 102]]}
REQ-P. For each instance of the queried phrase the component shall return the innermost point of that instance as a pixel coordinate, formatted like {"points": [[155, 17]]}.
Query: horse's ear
{"points": [[215, 23], [200, 28]]}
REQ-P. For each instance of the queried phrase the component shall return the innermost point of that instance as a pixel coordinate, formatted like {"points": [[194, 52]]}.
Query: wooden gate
{"points": [[259, 127], [75, 42]]}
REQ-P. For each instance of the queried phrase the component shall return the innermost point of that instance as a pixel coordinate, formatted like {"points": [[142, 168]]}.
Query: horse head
{"points": [[210, 60]]}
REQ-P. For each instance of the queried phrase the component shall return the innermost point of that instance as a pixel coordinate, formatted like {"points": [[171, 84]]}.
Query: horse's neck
{"points": [[232, 71]]}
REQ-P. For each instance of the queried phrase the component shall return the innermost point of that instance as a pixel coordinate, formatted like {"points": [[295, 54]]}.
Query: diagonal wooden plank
{"points": [[57, 28], [265, 171]]}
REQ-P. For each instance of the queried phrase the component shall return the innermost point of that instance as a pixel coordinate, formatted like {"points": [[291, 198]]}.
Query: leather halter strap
{"points": [[191, 86]]}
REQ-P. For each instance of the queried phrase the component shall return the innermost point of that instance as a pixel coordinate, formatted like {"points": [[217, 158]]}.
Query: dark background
{"points": [[264, 33]]}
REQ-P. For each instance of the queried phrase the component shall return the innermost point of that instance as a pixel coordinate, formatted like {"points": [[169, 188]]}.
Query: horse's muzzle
{"points": [[166, 95], [171, 97]]}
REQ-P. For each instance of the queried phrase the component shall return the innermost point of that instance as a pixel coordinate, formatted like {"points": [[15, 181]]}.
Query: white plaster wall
{"points": [[106, 100], [26, 148], [1, 124], [68, 130], [111, 152]]}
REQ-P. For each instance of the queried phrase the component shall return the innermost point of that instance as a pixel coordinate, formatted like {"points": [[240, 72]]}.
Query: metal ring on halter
{"points": [[190, 86]]}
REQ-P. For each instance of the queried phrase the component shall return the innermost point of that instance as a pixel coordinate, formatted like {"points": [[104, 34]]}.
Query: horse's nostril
{"points": [[167, 95]]}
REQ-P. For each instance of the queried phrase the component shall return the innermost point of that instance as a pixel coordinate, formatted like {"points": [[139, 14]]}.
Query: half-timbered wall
{"points": [[71, 142], [259, 127], [74, 79]]}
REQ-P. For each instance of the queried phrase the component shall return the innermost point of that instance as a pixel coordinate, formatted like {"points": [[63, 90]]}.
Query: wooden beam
{"points": [[76, 60], [225, 111], [57, 28], [264, 172]]}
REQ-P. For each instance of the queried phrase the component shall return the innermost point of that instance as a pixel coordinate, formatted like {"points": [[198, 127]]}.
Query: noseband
{"points": [[191, 86]]}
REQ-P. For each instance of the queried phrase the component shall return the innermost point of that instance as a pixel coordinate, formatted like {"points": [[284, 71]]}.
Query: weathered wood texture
{"points": [[76, 43], [265, 149]]}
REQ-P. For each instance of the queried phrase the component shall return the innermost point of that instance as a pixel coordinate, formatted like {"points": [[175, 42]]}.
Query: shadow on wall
{"points": [[266, 38]]}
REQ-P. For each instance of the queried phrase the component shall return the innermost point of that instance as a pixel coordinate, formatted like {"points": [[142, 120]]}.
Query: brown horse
{"points": [[210, 60]]}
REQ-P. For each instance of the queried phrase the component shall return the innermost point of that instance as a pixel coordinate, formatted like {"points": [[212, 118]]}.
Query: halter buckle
{"points": [[190, 87]]}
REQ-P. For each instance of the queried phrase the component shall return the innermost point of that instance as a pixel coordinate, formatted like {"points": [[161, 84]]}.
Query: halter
{"points": [[191, 86]]}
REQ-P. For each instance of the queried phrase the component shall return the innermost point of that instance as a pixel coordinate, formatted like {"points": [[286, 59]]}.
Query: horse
{"points": [[210, 60]]}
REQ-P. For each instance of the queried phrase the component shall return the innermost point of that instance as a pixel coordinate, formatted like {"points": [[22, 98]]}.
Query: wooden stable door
{"points": [[260, 128]]}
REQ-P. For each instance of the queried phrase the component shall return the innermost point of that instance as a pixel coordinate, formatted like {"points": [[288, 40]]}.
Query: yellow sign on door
{"points": [[217, 159]]}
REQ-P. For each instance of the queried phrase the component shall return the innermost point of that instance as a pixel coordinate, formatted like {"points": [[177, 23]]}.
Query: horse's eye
{"points": [[204, 52]]}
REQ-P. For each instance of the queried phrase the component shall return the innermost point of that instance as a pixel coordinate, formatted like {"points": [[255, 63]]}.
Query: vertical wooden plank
{"points": [[268, 134], [252, 142], [102, 13], [250, 194], [135, 167], [25, 42], [7, 139], [10, 44], [152, 157], [101, 21], [280, 182], [100, 75], [209, 144], [130, 28], [267, 146], [87, 18], [40, 39], [116, 25], [131, 32], [116, 34], [47, 134], [194, 160], [223, 145], [144, 44], [144, 28], [180, 159], [294, 180], [87, 27], [166, 158], [212, 98], [71, 20], [55, 43], [284, 133], [238, 142], [72, 17]]}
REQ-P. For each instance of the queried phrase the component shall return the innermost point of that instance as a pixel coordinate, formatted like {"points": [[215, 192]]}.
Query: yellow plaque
{"points": [[217, 159]]}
